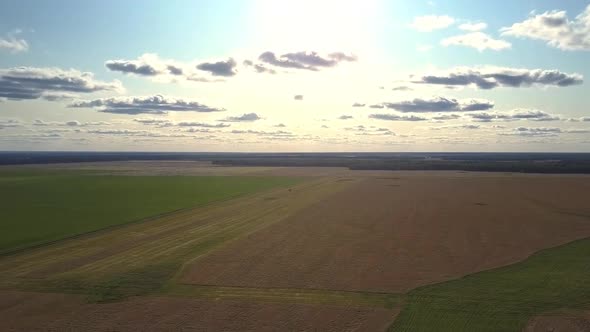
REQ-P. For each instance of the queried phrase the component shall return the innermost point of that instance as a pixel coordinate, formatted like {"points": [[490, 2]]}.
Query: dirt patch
{"points": [[579, 322], [20, 311], [373, 237]]}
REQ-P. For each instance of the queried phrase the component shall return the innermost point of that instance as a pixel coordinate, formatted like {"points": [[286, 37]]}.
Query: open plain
{"points": [[331, 249]]}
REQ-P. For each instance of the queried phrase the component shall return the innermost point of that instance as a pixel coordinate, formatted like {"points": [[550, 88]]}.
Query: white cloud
{"points": [[478, 40], [556, 29], [430, 23], [14, 45]]}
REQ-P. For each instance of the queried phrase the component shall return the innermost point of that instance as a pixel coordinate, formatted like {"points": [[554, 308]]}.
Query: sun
{"points": [[319, 25]]}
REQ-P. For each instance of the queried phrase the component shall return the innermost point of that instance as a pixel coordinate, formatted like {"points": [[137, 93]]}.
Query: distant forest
{"points": [[483, 162]]}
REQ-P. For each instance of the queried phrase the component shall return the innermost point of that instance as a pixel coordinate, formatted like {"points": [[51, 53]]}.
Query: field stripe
{"points": [[311, 296]]}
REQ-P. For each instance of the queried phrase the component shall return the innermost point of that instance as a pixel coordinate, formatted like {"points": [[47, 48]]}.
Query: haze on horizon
{"points": [[270, 76]]}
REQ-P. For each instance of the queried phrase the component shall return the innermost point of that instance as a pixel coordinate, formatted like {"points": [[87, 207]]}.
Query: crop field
{"points": [[39, 206], [391, 234], [299, 249]]}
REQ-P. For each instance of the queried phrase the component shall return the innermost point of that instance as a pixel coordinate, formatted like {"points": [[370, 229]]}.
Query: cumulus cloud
{"points": [[440, 104], [247, 117], [258, 67], [132, 67], [157, 104], [473, 26], [219, 68], [477, 40], [395, 117], [33, 83], [556, 29], [430, 23], [148, 64], [305, 60], [298, 97], [493, 77], [151, 65], [13, 45], [514, 115]]}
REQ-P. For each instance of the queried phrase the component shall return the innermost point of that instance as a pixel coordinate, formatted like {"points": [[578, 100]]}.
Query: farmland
{"points": [[301, 248], [38, 206]]}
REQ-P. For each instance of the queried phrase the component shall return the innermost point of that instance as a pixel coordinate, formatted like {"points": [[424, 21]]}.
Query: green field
{"points": [[42, 206], [503, 299]]}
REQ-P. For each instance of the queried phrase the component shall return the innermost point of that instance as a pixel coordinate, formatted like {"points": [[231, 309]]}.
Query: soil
{"points": [[392, 235], [25, 311]]}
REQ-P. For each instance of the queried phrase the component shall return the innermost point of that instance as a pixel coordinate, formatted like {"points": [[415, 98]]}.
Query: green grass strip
{"points": [[502, 299]]}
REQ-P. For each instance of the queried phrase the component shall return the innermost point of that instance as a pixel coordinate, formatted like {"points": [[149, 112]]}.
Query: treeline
{"points": [[482, 162], [518, 166]]}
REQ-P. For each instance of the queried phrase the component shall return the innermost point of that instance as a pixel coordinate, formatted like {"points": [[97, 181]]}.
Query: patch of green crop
{"points": [[40, 207], [502, 299]]}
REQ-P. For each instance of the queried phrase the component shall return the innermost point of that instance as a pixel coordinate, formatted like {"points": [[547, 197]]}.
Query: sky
{"points": [[285, 76]]}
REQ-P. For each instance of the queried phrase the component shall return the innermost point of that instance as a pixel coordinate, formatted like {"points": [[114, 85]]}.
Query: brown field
{"points": [[335, 252], [57, 312], [396, 233], [571, 322]]}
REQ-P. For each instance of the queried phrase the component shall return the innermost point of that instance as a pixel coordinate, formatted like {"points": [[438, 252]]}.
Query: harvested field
{"points": [[570, 322], [21, 311], [337, 250], [141, 257], [392, 235]]}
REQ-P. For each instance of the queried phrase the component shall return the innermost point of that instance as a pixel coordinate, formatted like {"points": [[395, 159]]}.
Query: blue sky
{"points": [[333, 54]]}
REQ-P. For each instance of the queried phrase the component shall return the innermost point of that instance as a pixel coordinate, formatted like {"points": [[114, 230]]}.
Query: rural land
{"points": [[304, 242]]}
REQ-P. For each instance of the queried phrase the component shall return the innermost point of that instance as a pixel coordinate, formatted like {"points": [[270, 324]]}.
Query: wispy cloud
{"points": [[477, 40], [13, 45]]}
